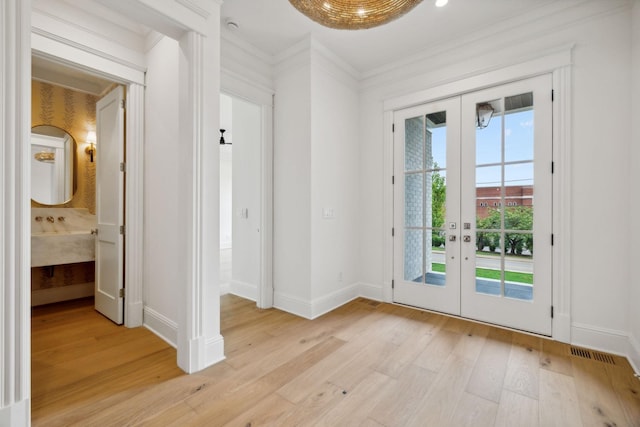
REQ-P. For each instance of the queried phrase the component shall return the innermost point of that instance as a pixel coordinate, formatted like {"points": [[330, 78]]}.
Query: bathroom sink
{"points": [[62, 248], [61, 236]]}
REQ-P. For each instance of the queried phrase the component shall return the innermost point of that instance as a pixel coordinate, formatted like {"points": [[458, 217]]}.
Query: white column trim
{"points": [[387, 238], [134, 214], [265, 287], [15, 242], [199, 341], [562, 202]]}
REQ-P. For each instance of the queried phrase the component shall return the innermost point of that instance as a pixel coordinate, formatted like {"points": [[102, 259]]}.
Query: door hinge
{"points": [[393, 127], [553, 95], [122, 229], [121, 293], [553, 167], [393, 232], [393, 284], [393, 179], [122, 103], [552, 312], [552, 239], [122, 166]]}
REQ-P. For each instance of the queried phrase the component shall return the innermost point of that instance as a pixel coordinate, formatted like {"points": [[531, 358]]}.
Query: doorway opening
{"points": [[69, 254], [241, 211]]}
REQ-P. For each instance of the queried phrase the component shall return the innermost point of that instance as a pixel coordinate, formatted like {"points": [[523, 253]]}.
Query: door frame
{"points": [[558, 63], [235, 86], [133, 80]]}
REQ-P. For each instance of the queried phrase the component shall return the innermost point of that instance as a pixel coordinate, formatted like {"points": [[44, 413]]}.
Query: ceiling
{"points": [[274, 25]]}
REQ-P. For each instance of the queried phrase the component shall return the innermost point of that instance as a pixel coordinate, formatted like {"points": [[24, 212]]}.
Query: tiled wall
{"points": [[418, 156]]}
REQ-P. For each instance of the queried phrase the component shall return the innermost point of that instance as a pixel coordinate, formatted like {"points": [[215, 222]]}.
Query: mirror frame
{"points": [[74, 151]]}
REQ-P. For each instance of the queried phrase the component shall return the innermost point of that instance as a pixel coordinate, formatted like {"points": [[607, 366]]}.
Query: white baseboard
{"points": [[162, 326], [317, 307], [291, 304], [244, 290], [562, 328], [214, 350], [329, 302], [633, 353], [372, 292], [224, 288], [597, 338], [16, 414], [62, 293], [134, 314]]}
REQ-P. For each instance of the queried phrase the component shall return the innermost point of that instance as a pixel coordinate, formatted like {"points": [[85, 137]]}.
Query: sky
{"points": [[518, 130]]}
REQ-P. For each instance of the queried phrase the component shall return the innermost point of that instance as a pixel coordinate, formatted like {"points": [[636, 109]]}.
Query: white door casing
{"points": [[109, 277]]}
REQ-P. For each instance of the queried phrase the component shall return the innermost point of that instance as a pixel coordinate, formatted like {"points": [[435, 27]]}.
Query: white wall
{"points": [[634, 194], [292, 185], [316, 171], [247, 137], [334, 183], [164, 264], [599, 151]]}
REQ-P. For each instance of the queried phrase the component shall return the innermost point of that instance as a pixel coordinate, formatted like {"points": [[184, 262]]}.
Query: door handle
{"points": [[452, 238], [466, 238]]}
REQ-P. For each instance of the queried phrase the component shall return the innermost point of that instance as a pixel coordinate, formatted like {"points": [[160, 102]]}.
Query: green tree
{"points": [[515, 218], [438, 198]]}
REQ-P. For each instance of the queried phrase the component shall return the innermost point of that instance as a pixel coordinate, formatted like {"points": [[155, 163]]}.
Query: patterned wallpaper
{"points": [[75, 112]]}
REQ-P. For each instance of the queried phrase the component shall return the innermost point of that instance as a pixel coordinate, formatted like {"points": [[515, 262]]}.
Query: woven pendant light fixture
{"points": [[353, 14]]}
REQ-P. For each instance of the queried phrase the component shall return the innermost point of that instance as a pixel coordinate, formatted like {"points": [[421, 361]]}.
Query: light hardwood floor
{"points": [[364, 364]]}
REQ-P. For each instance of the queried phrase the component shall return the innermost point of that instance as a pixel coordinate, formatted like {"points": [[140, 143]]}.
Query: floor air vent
{"points": [[581, 352], [604, 358], [592, 355]]}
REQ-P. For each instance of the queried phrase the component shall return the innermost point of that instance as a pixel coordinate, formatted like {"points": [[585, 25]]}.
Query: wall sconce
{"points": [[91, 148], [222, 141]]}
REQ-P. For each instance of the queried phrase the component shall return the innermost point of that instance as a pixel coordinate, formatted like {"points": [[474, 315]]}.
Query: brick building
{"points": [[490, 198]]}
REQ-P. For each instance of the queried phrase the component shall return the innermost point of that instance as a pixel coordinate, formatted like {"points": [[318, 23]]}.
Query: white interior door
{"points": [[109, 277], [472, 199]]}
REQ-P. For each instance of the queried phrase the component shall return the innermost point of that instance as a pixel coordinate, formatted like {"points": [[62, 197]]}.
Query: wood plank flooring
{"points": [[364, 364]]}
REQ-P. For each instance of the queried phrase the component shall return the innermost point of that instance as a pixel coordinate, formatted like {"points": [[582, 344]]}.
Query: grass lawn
{"points": [[486, 273]]}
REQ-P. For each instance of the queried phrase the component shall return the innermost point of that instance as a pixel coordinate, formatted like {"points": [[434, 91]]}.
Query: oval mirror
{"points": [[53, 165]]}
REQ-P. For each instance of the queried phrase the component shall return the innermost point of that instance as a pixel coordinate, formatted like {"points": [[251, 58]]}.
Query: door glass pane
{"points": [[413, 241], [518, 124], [413, 199], [435, 262], [414, 144], [435, 198], [425, 198], [504, 198], [436, 153], [489, 133]]}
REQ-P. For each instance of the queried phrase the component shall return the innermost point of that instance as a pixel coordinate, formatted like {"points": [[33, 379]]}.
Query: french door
{"points": [[472, 199]]}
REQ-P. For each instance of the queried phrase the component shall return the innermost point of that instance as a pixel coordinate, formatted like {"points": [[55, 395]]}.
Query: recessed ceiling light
{"points": [[440, 3]]}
